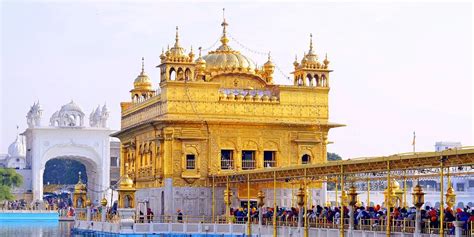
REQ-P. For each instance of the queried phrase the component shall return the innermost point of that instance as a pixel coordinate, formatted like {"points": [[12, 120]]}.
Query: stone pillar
{"points": [[351, 217], [88, 213], [458, 228], [417, 223], [126, 219], [103, 217]]}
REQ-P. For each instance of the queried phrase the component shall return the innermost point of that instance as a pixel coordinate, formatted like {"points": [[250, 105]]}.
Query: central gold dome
{"points": [[225, 59]]}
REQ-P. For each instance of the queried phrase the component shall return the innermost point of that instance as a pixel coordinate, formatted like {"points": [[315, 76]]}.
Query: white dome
{"points": [[17, 148], [70, 107]]}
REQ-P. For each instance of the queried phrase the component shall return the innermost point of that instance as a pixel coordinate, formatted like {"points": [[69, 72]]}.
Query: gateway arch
{"points": [[67, 137]]}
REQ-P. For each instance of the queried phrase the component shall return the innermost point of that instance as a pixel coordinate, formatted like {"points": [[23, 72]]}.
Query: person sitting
{"points": [[180, 216]]}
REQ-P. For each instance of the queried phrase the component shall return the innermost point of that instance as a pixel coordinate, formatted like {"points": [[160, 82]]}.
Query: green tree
{"points": [[63, 171], [333, 157], [9, 179]]}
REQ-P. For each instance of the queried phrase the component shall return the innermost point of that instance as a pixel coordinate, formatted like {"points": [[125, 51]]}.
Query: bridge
{"points": [[412, 166]]}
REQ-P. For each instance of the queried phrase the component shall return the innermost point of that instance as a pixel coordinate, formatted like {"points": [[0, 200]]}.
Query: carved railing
{"points": [[248, 164]]}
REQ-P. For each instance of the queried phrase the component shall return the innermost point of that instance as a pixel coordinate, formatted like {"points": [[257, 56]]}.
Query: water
{"points": [[35, 228]]}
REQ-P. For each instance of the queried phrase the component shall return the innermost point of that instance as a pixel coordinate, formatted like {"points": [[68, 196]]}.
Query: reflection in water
{"points": [[35, 228]]}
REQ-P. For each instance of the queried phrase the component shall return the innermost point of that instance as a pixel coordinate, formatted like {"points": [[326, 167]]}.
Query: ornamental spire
{"points": [[310, 44], [224, 25], [143, 65], [176, 44]]}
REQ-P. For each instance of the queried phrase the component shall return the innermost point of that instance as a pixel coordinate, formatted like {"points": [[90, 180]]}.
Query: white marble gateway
{"points": [[67, 137]]}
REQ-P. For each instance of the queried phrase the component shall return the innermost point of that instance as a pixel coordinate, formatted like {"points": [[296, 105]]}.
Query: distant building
{"points": [[440, 146], [66, 137]]}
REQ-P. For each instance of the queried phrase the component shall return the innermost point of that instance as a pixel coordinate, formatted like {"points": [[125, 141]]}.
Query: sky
{"points": [[398, 67]]}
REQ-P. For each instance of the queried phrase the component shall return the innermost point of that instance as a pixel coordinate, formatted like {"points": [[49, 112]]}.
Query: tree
{"points": [[9, 179], [333, 157], [63, 171]]}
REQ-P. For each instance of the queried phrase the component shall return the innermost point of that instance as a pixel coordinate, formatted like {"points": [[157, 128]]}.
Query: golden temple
{"points": [[218, 114]]}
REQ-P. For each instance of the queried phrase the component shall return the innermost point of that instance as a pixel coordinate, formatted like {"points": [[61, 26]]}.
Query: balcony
{"points": [[248, 164], [227, 164], [269, 163]]}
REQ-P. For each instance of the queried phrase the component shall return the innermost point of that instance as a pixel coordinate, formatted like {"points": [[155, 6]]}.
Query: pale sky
{"points": [[398, 67]]}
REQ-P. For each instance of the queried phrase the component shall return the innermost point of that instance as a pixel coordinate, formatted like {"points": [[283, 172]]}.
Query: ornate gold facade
{"points": [[221, 113]]}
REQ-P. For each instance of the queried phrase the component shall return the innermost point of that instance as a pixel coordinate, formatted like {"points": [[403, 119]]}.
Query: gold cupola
{"points": [[310, 72], [80, 187], [224, 59], [142, 86], [268, 69]]}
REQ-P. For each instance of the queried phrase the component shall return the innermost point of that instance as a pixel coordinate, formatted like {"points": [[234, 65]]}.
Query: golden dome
{"points": [[142, 81], [225, 59], [126, 183]]}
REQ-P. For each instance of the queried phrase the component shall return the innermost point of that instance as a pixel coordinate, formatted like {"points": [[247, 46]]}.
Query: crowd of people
{"points": [[374, 216]]}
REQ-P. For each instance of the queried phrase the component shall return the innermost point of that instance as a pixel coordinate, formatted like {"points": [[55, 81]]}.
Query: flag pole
{"points": [[414, 142]]}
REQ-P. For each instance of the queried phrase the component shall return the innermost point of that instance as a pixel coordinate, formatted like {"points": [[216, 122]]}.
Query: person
{"points": [[180, 216], [149, 215], [141, 217]]}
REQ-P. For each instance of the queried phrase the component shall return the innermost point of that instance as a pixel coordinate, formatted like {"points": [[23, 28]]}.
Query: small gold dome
{"points": [[142, 81], [80, 187]]}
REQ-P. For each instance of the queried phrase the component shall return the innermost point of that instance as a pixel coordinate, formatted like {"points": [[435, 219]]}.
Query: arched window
{"points": [[316, 80], [310, 79], [172, 74], [323, 81], [305, 159], [187, 74], [190, 161], [180, 74]]}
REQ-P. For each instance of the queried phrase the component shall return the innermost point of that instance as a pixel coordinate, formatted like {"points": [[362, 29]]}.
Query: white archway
{"points": [[97, 168]]}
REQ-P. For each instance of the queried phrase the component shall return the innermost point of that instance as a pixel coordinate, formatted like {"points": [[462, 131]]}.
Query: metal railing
{"points": [[190, 164], [248, 164], [227, 164], [269, 163]]}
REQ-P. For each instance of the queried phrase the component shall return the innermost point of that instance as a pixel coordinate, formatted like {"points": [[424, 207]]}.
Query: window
{"points": [[190, 161], [269, 159], [113, 162], [471, 183], [248, 160], [305, 159], [460, 187], [227, 159]]}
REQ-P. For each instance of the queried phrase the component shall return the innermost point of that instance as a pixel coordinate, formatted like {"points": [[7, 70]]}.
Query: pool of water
{"points": [[35, 228]]}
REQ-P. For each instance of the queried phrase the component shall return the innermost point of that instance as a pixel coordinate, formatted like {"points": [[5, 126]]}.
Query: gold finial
{"points": [[176, 44], [200, 48], [143, 65], [269, 56], [224, 25], [79, 181], [326, 61], [310, 43]]}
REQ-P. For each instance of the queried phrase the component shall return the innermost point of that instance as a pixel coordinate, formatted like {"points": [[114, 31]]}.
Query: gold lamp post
{"points": [[418, 196], [418, 201], [260, 203], [300, 200], [227, 200], [261, 198], [450, 195], [352, 195], [352, 201]]}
